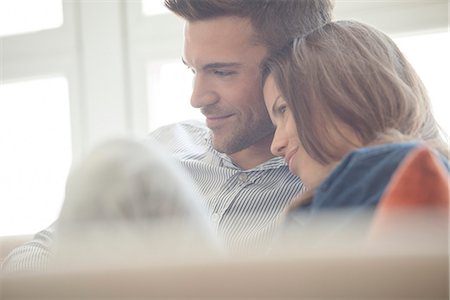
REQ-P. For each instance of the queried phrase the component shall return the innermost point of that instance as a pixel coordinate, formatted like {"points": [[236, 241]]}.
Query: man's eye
{"points": [[223, 73]]}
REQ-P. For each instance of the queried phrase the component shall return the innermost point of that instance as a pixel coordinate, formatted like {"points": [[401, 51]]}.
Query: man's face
{"points": [[227, 87]]}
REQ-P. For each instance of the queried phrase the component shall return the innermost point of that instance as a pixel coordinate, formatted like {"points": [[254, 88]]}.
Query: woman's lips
{"points": [[290, 157]]}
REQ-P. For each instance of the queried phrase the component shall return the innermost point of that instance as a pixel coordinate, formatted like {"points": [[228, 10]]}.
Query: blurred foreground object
{"points": [[326, 274], [347, 264], [129, 202]]}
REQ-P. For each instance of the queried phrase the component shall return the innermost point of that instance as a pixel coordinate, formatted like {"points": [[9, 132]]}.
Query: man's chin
{"points": [[227, 146], [220, 146]]}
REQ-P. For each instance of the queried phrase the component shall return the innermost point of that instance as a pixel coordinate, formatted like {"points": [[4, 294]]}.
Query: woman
{"points": [[347, 107]]}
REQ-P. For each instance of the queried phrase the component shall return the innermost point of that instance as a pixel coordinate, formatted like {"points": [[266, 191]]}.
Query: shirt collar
{"points": [[224, 160]]}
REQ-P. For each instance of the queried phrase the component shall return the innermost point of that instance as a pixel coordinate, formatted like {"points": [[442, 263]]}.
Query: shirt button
{"points": [[215, 217], [243, 177]]}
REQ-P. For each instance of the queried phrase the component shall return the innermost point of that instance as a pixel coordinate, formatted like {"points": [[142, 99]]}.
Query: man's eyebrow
{"points": [[221, 65], [217, 65]]}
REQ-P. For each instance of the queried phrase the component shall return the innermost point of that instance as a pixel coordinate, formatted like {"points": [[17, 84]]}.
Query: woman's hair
{"points": [[349, 75], [276, 22]]}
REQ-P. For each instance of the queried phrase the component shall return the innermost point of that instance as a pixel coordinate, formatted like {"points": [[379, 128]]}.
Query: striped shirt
{"points": [[244, 206]]}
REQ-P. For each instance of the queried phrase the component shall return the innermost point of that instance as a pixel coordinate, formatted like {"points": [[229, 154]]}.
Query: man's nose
{"points": [[203, 93]]}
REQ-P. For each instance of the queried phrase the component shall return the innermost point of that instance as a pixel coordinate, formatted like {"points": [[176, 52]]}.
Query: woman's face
{"points": [[286, 142]]}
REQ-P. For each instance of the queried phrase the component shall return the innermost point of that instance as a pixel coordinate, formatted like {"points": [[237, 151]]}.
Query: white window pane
{"points": [[20, 16], [169, 90], [429, 54], [153, 7], [35, 155]]}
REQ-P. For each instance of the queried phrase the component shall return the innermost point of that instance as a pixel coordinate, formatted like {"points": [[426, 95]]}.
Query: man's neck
{"points": [[254, 155]]}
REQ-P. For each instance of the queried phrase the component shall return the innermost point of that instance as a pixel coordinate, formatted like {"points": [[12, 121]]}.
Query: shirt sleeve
{"points": [[31, 256]]}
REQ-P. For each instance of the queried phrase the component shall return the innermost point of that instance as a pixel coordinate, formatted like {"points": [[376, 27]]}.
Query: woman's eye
{"points": [[282, 109]]}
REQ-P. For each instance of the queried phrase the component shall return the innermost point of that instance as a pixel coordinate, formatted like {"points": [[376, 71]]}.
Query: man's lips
{"points": [[216, 120], [210, 117]]}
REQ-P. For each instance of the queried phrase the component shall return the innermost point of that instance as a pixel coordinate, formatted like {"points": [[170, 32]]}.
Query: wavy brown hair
{"points": [[276, 22], [349, 74]]}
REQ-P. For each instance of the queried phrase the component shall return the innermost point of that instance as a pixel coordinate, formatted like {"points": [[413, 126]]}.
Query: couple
{"points": [[343, 88]]}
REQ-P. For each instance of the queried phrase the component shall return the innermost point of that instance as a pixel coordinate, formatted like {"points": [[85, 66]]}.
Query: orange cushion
{"points": [[417, 195]]}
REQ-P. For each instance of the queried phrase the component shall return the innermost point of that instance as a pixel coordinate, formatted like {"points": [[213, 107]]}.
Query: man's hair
{"points": [[347, 74], [276, 22]]}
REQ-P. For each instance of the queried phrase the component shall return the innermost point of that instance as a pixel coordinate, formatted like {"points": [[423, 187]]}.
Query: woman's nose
{"points": [[279, 144]]}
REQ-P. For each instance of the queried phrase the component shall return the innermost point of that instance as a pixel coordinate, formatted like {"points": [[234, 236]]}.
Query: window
{"points": [[35, 139], [429, 56], [171, 98], [153, 7], [62, 91], [29, 15]]}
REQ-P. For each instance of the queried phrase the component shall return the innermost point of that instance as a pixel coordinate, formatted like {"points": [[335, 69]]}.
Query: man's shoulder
{"points": [[189, 128], [183, 136]]}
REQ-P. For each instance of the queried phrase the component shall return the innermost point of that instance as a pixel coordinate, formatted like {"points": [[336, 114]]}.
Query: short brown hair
{"points": [[276, 22], [349, 73]]}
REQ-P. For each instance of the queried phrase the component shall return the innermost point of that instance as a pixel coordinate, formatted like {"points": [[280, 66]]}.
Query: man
{"points": [[225, 43], [244, 186]]}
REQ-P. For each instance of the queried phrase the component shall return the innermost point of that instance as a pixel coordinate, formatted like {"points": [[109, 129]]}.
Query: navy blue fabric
{"points": [[356, 185]]}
